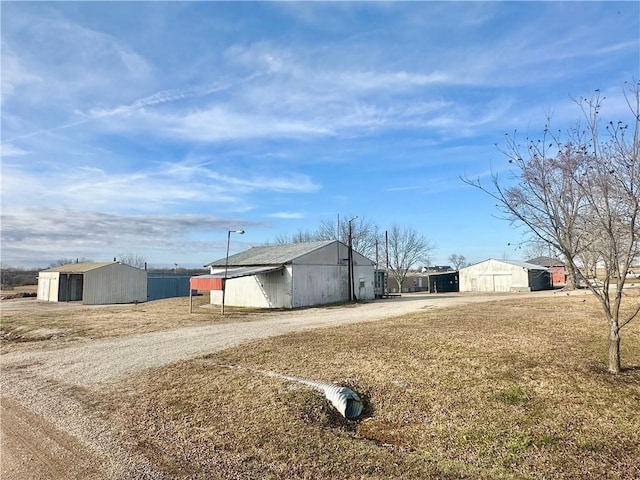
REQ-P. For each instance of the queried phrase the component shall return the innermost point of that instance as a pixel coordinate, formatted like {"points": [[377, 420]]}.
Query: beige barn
{"points": [[504, 276], [93, 283]]}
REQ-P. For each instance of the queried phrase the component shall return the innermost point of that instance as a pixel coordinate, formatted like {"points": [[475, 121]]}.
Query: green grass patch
{"points": [[515, 395]]}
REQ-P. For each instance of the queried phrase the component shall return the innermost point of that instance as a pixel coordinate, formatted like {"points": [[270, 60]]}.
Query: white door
{"points": [[43, 288]]}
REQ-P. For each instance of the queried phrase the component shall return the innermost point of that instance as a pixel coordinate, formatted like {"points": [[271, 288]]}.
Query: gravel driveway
{"points": [[36, 386]]}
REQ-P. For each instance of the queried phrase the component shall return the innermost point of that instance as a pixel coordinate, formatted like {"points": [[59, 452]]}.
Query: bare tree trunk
{"points": [[570, 283], [614, 346]]}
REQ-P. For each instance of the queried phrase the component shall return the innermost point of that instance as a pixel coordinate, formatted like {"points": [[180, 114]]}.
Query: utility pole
{"points": [[350, 261], [226, 264]]}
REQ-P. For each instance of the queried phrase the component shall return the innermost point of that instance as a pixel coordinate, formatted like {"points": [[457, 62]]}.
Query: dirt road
{"points": [[48, 432]]}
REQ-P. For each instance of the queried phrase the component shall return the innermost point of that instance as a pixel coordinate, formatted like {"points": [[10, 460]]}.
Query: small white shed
{"points": [[293, 275], [93, 283], [504, 276]]}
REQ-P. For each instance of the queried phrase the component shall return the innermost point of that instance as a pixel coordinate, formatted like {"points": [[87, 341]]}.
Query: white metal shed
{"points": [[93, 283], [504, 276], [293, 275]]}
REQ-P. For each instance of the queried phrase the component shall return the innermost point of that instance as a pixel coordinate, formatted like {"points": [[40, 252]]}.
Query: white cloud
{"points": [[9, 150], [165, 187], [286, 215], [14, 74]]}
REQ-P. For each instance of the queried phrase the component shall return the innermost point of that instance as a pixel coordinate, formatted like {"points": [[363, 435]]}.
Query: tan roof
{"points": [[78, 267]]}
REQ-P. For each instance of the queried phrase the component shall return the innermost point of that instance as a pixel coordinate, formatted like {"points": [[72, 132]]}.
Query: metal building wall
{"points": [[116, 283], [321, 277], [364, 282], [443, 282], [318, 285], [264, 290], [167, 285], [493, 276]]}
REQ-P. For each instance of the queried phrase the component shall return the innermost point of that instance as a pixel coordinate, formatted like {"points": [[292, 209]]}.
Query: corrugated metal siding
{"points": [[269, 290], [498, 276], [114, 283], [318, 285], [167, 285]]}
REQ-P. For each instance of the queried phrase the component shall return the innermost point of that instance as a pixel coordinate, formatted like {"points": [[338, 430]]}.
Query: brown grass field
{"points": [[63, 323], [511, 390], [503, 390]]}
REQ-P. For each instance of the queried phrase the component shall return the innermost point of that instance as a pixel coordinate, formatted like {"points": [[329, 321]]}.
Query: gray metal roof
{"points": [[528, 266], [547, 262], [271, 254], [78, 267], [238, 272], [517, 263]]}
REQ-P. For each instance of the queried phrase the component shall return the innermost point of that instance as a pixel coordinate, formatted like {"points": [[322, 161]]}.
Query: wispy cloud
{"points": [[286, 215], [9, 150], [62, 233], [15, 74], [163, 187]]}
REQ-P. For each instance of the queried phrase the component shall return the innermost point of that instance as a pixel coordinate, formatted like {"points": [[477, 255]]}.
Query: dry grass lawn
{"points": [[52, 323], [504, 390]]}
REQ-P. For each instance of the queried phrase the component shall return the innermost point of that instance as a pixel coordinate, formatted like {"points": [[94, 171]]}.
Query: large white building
{"points": [[293, 275], [504, 276], [93, 283]]}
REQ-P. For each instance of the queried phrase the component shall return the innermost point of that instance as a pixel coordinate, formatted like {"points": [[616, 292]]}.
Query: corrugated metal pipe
{"points": [[345, 400]]}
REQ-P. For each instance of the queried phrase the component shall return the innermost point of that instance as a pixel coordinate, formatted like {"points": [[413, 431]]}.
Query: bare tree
{"points": [[406, 248], [612, 220], [545, 197], [536, 247], [457, 261], [582, 196], [364, 234], [301, 236], [133, 260]]}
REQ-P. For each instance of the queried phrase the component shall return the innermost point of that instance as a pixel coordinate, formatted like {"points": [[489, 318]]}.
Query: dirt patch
{"points": [[34, 448]]}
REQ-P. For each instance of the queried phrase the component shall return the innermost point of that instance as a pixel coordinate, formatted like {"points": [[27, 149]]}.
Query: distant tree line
{"points": [[12, 277]]}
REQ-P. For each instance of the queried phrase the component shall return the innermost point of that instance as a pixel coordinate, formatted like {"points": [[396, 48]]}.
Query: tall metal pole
{"points": [[386, 249], [226, 264], [350, 261]]}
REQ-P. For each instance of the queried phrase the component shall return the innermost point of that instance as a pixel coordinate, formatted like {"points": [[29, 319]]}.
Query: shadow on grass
{"points": [[628, 374]]}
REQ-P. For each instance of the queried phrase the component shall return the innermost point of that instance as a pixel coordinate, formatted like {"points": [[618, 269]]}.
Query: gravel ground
{"points": [[41, 390]]}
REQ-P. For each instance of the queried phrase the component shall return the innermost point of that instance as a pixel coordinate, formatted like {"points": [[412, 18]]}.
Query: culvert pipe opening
{"points": [[345, 400]]}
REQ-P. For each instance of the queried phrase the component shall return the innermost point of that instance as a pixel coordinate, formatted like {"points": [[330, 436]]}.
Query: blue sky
{"points": [[153, 128]]}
